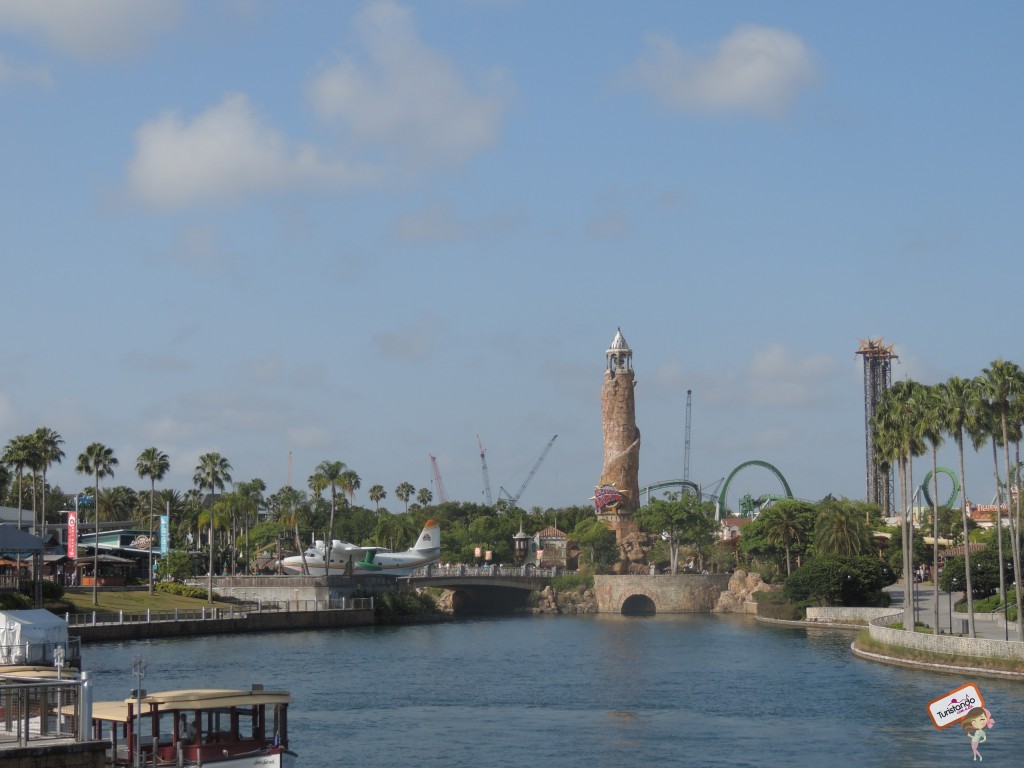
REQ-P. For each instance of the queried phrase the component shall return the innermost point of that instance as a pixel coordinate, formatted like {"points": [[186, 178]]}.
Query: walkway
{"points": [[986, 625]]}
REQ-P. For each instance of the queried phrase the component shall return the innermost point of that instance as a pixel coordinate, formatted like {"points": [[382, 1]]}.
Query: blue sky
{"points": [[370, 232]]}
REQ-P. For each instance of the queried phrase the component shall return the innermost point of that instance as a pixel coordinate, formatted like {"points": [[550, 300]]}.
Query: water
{"points": [[580, 692]]}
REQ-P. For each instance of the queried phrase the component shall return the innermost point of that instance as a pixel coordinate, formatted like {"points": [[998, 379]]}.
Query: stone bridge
{"points": [[681, 593]]}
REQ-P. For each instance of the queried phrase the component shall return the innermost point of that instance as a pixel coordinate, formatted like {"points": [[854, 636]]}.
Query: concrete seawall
{"points": [[262, 622]]}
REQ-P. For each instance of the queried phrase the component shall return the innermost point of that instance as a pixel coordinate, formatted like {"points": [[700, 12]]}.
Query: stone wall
{"points": [[840, 615], [960, 646], [681, 593]]}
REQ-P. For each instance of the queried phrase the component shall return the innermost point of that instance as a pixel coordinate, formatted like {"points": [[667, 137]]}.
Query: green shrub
{"points": [[182, 590], [51, 590], [14, 601], [573, 582], [774, 605], [404, 602]]}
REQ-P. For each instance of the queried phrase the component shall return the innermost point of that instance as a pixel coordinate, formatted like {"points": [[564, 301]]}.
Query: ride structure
{"points": [[878, 357]]}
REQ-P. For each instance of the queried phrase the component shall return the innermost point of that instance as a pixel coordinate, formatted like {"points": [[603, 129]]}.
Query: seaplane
{"points": [[342, 559], [427, 550], [348, 559]]}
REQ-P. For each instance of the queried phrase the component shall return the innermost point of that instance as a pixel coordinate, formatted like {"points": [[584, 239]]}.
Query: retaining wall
{"points": [[959, 646]]}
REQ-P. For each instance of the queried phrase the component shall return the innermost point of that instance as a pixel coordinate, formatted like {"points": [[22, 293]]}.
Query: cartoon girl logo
{"points": [[974, 724]]}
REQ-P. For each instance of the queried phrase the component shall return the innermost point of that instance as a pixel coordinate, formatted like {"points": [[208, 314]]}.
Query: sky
{"points": [[377, 232]]}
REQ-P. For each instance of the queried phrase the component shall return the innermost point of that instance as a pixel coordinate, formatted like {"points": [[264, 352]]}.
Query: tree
{"points": [[213, 470], [1004, 385], [786, 523], [377, 495], [686, 520], [839, 580], [424, 497], [597, 544], [48, 452], [251, 499], [840, 530], [99, 461], [154, 464], [932, 425], [897, 440], [331, 472], [18, 454], [404, 492], [350, 483]]}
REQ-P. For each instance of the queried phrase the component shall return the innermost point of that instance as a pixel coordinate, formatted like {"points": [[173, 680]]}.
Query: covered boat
{"points": [[225, 728]]}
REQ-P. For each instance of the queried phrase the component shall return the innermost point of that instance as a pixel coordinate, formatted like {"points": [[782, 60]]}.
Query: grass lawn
{"points": [[865, 642], [131, 601]]}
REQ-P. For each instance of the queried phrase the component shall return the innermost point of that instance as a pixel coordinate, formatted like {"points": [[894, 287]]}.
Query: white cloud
{"points": [[755, 69], [433, 223], [93, 29], [407, 99], [12, 74], [221, 156], [777, 377]]}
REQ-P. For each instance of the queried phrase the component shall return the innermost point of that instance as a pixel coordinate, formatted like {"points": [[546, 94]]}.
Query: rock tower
{"points": [[617, 495]]}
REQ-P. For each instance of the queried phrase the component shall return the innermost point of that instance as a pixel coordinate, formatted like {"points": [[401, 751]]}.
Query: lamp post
{"points": [[950, 593]]}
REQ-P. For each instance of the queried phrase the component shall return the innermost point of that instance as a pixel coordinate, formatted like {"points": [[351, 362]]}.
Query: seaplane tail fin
{"points": [[430, 536]]}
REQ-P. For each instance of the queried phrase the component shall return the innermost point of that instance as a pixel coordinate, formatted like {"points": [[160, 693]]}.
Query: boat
{"points": [[217, 727]]}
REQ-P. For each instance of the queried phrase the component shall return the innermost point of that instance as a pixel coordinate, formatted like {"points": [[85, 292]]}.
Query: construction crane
{"points": [[487, 477], [686, 446], [438, 482], [514, 500]]}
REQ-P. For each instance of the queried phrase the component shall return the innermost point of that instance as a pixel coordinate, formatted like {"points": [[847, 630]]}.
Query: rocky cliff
{"points": [[738, 597]]}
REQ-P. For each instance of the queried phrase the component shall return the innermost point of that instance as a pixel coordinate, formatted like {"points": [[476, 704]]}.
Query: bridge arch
{"points": [[638, 605], [722, 496]]}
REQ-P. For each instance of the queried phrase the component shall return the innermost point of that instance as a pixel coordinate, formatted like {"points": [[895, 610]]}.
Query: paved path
{"points": [[986, 625]]}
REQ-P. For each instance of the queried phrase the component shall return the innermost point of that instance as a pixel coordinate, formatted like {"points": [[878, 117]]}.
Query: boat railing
{"points": [[38, 710], [42, 653]]}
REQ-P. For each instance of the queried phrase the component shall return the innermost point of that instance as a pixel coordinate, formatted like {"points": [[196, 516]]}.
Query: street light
{"points": [[951, 606]]}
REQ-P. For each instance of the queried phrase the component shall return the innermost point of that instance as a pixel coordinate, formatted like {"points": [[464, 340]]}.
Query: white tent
{"points": [[29, 637]]}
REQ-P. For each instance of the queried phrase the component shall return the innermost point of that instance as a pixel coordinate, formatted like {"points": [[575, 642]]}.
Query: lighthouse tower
{"points": [[617, 494]]}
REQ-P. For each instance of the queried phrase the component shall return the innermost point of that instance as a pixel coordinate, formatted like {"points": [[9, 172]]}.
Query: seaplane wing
{"points": [[427, 550]]}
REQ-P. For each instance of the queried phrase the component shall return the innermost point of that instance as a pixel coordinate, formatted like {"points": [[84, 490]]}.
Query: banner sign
{"points": [[165, 534], [73, 535]]}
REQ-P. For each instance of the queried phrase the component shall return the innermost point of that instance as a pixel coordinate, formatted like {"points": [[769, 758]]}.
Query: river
{"points": [[579, 692]]}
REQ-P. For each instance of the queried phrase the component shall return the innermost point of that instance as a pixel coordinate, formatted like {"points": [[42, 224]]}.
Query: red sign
{"points": [[73, 535]]}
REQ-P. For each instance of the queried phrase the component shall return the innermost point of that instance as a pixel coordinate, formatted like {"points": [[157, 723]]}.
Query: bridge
{"points": [[497, 589]]}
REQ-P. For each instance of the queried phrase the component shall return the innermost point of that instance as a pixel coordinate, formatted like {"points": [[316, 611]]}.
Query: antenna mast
{"points": [[686, 447]]}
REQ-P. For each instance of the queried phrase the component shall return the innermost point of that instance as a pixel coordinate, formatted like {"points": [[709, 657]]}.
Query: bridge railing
{"points": [[450, 571], [211, 613]]}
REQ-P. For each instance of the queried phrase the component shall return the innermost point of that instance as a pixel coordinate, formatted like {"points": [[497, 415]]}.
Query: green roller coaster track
{"points": [[754, 463], [684, 486], [928, 479]]}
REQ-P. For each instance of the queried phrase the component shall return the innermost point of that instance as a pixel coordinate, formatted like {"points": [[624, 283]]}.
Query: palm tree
{"points": [[333, 474], [213, 470], [350, 483], [377, 494], [932, 422], [424, 496], [99, 461], [154, 464], [18, 454], [959, 400], [251, 495], [1004, 385], [785, 524], [48, 444], [898, 439], [839, 530], [404, 492]]}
